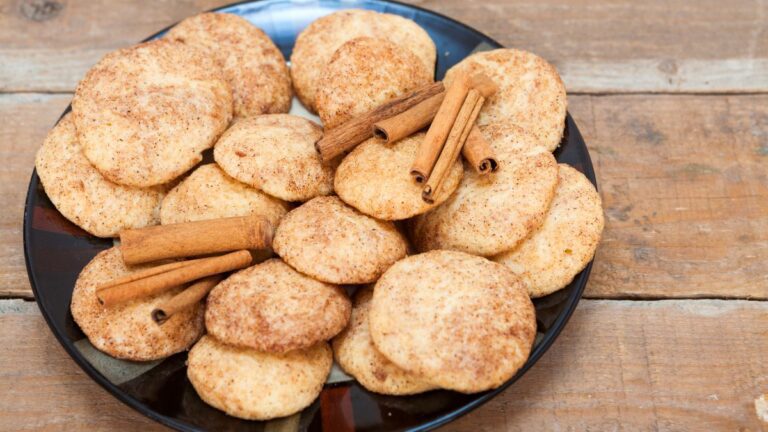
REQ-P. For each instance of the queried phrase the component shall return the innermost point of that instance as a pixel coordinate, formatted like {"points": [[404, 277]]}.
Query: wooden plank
{"points": [[619, 365], [617, 46], [689, 365], [48, 45], [41, 388], [658, 76], [682, 177], [630, 46], [26, 120], [685, 190]]}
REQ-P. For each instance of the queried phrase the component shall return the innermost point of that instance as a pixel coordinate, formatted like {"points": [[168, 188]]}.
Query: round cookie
{"points": [[127, 331], [565, 243], [83, 195], [272, 307], [333, 242], [375, 179], [145, 114], [317, 43], [209, 193], [355, 353], [253, 66], [353, 83], [531, 94], [461, 322], [493, 213], [254, 385], [276, 153]]}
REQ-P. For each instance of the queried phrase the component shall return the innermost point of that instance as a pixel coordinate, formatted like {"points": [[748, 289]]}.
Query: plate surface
{"points": [[56, 251]]}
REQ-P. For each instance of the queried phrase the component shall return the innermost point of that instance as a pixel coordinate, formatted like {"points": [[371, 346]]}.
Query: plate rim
{"points": [[547, 341]]}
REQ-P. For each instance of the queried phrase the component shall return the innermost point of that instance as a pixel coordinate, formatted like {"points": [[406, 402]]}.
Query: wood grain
{"points": [[41, 388], [26, 120], [618, 46], [684, 179], [47, 45], [630, 46], [691, 365], [685, 191], [618, 365]]}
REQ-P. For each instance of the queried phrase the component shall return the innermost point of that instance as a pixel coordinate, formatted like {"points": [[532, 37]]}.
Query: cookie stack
{"points": [[265, 354]]}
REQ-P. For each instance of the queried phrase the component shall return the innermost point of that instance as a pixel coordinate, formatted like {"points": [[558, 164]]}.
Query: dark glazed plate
{"points": [[56, 251]]}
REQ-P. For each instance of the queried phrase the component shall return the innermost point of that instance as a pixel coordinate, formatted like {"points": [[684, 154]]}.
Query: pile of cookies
{"points": [[441, 290]]}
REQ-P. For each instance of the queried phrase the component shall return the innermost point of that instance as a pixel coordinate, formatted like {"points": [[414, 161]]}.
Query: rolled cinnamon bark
{"points": [[429, 149], [195, 238], [185, 299], [478, 153], [162, 282], [408, 122], [141, 274], [345, 137], [443, 121], [468, 113]]}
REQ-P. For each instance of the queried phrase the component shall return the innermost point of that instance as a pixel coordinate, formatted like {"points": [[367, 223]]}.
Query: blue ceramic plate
{"points": [[56, 251]]}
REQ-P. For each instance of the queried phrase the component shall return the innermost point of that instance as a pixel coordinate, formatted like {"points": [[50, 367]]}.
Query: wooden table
{"points": [[672, 98]]}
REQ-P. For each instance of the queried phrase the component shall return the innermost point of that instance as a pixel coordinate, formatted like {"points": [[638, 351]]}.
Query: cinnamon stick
{"points": [[195, 238], [346, 136], [468, 113], [159, 283], [185, 299], [430, 148], [478, 153], [414, 119], [141, 274]]}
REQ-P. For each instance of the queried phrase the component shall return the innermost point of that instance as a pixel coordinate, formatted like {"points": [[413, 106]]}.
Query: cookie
{"points": [[375, 179], [531, 94], [363, 74], [332, 242], [253, 66], [127, 331], [145, 114], [83, 195], [253, 385], [355, 353], [276, 154], [271, 307], [317, 43], [493, 213], [566, 242], [458, 321], [209, 193]]}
